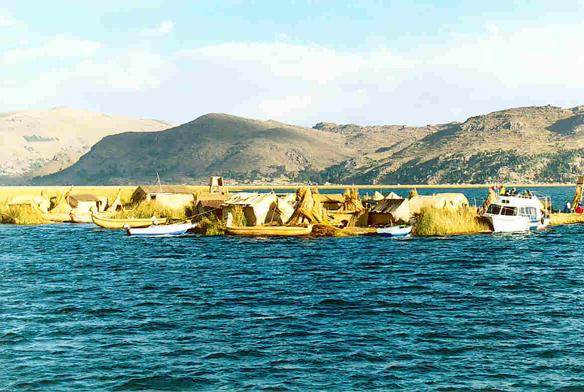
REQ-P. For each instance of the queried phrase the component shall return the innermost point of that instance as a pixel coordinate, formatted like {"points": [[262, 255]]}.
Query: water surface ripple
{"points": [[88, 309]]}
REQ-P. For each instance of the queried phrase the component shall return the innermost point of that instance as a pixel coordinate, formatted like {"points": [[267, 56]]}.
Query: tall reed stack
{"points": [[446, 221]]}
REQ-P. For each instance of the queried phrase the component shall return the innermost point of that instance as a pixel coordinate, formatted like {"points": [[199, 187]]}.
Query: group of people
{"points": [[501, 190], [568, 209]]}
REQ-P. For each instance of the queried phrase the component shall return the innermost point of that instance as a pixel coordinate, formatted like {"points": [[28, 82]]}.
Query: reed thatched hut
{"points": [[390, 211], [377, 196], [116, 204], [330, 201], [260, 208], [174, 197], [36, 202], [393, 195], [351, 212], [438, 200], [85, 203], [210, 203]]}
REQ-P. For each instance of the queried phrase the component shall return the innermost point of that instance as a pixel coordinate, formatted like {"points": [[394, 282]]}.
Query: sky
{"points": [[302, 62]]}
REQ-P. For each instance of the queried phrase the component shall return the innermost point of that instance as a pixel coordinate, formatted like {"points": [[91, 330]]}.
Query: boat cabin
{"points": [[516, 213], [497, 209]]}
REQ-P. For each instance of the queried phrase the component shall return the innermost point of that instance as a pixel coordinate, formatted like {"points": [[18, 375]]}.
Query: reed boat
{"points": [[269, 231], [86, 218], [109, 223], [57, 217], [359, 231], [161, 230], [395, 231], [80, 218]]}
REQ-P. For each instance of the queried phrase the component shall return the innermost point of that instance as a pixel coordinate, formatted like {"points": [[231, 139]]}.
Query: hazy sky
{"points": [[367, 62]]}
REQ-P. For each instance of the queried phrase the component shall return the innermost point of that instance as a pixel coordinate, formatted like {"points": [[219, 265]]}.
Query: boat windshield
{"points": [[497, 209], [511, 211], [494, 209]]}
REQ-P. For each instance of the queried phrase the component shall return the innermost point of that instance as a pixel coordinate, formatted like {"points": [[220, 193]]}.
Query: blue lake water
{"points": [[89, 309]]}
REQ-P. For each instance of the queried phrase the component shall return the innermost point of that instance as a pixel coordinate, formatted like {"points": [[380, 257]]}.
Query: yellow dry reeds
{"points": [[437, 222], [352, 201], [491, 198], [150, 209], [21, 215], [10, 192], [211, 224], [238, 216], [566, 219], [308, 210], [320, 230]]}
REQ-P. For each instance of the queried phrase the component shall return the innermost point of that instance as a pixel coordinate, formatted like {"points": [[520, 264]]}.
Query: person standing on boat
{"points": [[579, 209], [568, 208]]}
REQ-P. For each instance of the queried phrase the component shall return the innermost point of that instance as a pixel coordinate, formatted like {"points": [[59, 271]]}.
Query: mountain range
{"points": [[40, 142], [528, 144]]}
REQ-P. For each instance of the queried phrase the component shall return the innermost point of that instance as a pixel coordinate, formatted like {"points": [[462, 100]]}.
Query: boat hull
{"points": [[510, 224], [161, 230], [81, 218], [395, 231], [270, 231], [108, 223], [57, 217]]}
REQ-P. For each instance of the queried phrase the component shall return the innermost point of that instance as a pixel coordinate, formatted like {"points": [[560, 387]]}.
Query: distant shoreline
{"points": [[401, 186], [236, 188]]}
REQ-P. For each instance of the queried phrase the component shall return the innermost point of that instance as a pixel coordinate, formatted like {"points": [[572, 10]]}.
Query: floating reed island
{"points": [[217, 211]]}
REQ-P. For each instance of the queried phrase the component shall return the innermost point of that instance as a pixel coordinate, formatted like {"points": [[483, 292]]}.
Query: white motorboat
{"points": [[395, 231], [517, 213], [161, 230]]}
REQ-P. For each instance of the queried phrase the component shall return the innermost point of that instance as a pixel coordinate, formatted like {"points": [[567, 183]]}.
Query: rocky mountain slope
{"points": [[530, 144], [235, 147], [36, 142]]}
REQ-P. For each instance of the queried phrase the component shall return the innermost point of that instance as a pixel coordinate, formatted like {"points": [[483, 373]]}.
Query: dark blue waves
{"points": [[87, 309]]}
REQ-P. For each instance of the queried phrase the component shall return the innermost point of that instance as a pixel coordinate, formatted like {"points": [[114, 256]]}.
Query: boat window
{"points": [[529, 212], [509, 211], [494, 209]]}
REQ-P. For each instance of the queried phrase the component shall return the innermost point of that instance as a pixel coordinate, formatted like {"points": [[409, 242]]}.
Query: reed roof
{"points": [[83, 197], [185, 189], [389, 206]]}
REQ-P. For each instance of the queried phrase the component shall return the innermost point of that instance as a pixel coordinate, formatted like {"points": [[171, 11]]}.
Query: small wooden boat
{"points": [[269, 231], [161, 230], [80, 218], [109, 223], [395, 231], [86, 217]]}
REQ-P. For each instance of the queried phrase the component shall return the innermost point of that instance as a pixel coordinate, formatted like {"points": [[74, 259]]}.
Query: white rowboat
{"points": [[161, 230], [395, 231]]}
